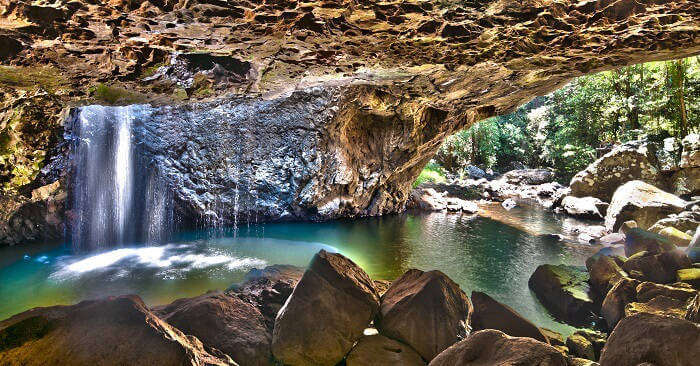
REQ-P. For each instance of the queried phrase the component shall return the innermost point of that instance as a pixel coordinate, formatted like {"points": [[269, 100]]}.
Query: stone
{"points": [[649, 290], [686, 182], [604, 272], [554, 338], [659, 305], [627, 225], [327, 312], [693, 313], [638, 240], [425, 310], [690, 276], [491, 314], [576, 361], [268, 289], [224, 322], [612, 239], [693, 249], [660, 268], [661, 340], [595, 338], [426, 199], [676, 236], [492, 347], [509, 204], [529, 176], [475, 172], [579, 346], [585, 207], [690, 155], [382, 351], [684, 221], [641, 202], [564, 291], [111, 331], [621, 294], [627, 162]]}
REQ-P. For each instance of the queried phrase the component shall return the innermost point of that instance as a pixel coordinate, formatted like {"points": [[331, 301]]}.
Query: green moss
{"points": [[151, 70], [48, 78], [111, 94], [429, 174]]}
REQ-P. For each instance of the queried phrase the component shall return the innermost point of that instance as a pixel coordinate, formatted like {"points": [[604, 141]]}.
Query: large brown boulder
{"points": [[659, 268], [564, 291], [613, 307], [112, 331], [638, 240], [327, 312], [378, 350], [623, 164], [426, 310], [491, 348], [643, 203], [693, 313], [659, 340], [491, 314], [223, 322], [604, 272]]}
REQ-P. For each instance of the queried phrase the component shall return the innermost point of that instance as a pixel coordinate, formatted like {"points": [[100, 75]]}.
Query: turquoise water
{"points": [[494, 253]]}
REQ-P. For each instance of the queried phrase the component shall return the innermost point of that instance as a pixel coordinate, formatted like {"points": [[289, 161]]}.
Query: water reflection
{"points": [[479, 253]]}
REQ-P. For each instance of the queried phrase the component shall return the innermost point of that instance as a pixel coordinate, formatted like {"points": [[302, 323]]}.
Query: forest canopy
{"points": [[562, 130]]}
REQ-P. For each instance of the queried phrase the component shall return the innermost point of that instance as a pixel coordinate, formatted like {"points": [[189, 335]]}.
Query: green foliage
{"points": [[431, 173], [115, 95], [563, 130]]}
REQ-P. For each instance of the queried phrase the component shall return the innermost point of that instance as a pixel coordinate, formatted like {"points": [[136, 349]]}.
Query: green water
{"points": [[495, 254]]}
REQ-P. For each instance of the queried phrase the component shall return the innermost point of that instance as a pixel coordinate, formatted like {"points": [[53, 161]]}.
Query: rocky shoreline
{"points": [[333, 313]]}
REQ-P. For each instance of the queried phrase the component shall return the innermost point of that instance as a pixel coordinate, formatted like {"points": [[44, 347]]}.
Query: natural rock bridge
{"points": [[351, 98]]}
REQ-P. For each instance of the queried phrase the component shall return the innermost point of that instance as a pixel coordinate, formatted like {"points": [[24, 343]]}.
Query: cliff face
{"points": [[380, 84]]}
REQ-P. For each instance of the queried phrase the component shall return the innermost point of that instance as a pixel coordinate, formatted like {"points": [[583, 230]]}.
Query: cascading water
{"points": [[118, 196]]}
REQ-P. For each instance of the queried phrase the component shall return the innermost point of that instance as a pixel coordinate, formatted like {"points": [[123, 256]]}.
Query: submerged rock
{"points": [[564, 291], [492, 347], [382, 351], [112, 331], [328, 310], [659, 340], [426, 310], [643, 203], [491, 314]]}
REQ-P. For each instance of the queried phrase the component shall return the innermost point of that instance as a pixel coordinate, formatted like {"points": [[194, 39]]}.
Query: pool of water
{"points": [[494, 252]]}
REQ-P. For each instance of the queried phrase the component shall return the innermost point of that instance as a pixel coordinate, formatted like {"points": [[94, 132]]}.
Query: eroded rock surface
{"points": [[327, 312], [408, 74], [112, 331]]}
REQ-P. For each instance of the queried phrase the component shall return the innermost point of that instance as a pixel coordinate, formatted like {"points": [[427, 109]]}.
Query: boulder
{"points": [[584, 207], [426, 199], [529, 176], [627, 225], [595, 339], [612, 239], [649, 290], [660, 340], [659, 305], [509, 204], [690, 155], [580, 347], [684, 221], [426, 310], [564, 291], [638, 240], [576, 361], [224, 322], [604, 272], [475, 172], [492, 347], [621, 294], [553, 338], [690, 276], [623, 164], [326, 313], [268, 289], [676, 236], [659, 268], [686, 182], [693, 313], [491, 314], [111, 331], [641, 202], [693, 250], [382, 351]]}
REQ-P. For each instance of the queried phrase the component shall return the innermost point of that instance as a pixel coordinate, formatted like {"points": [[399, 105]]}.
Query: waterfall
{"points": [[118, 197]]}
